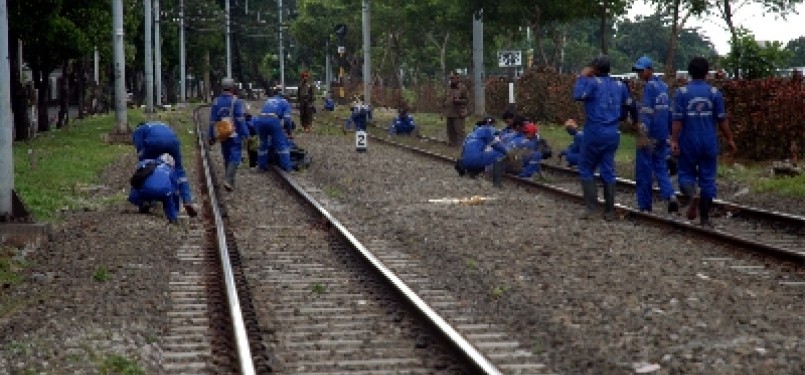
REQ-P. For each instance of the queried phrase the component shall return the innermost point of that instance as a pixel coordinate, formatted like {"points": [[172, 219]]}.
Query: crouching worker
{"points": [[572, 152], [269, 124], [151, 140], [482, 149], [403, 124], [360, 114], [156, 180], [524, 155]]}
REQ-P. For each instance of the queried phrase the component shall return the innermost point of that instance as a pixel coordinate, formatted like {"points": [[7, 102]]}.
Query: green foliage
{"points": [[119, 365], [749, 60], [10, 269], [797, 49], [101, 274], [66, 161]]}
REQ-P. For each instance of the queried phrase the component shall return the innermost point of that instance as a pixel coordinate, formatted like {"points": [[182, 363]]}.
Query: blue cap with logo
{"points": [[643, 63]]}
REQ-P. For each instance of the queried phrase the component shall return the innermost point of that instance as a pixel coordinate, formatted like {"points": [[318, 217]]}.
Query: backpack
{"points": [[225, 127], [300, 158], [544, 148], [141, 174]]}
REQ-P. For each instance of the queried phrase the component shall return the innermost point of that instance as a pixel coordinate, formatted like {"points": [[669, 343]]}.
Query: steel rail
{"points": [[459, 342], [723, 236], [731, 207], [245, 360]]}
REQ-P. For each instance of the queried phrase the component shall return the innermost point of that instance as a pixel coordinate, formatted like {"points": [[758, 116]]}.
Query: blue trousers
{"points": [[170, 202], [698, 161], [598, 152], [650, 162], [272, 140]]}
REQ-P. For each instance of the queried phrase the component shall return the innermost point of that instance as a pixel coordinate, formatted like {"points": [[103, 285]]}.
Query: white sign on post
{"points": [[361, 141], [509, 59]]}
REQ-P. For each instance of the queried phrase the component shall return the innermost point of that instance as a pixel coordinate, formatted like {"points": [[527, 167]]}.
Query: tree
{"points": [[680, 11], [749, 60], [797, 49]]}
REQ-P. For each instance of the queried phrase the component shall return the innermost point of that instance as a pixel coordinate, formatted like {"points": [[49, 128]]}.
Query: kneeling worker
{"points": [[156, 180]]}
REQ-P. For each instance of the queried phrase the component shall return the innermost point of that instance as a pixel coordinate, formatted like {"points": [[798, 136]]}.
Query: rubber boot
{"points": [[688, 191], [673, 205], [590, 190], [229, 178], [460, 169], [704, 212], [497, 174], [609, 201]]}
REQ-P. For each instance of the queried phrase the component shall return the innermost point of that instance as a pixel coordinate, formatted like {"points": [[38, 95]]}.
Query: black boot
{"points": [[590, 190], [460, 169], [688, 191], [497, 173], [609, 201], [704, 212], [229, 178]]}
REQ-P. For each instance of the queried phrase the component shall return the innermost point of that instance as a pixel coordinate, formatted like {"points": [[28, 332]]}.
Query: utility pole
{"points": [[367, 54], [327, 68], [149, 60], [96, 72], [182, 72], [478, 62], [228, 47], [121, 117], [282, 51], [6, 121], [158, 55]]}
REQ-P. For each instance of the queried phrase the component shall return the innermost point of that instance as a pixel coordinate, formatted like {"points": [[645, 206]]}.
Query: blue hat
{"points": [[643, 63]]}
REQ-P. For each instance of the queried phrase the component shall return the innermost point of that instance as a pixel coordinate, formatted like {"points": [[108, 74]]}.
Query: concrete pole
{"points": [[228, 46], [478, 63], [20, 59], [282, 50], [121, 117], [328, 74], [157, 55], [149, 59], [367, 54], [6, 120], [182, 69], [96, 72]]}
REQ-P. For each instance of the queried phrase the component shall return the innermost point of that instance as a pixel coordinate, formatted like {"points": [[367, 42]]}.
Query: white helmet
{"points": [[167, 159]]}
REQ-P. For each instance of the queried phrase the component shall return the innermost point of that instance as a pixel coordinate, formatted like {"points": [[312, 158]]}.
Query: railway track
{"points": [[771, 232], [304, 296]]}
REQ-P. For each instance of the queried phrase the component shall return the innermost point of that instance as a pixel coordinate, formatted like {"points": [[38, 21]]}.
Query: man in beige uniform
{"points": [[455, 109]]}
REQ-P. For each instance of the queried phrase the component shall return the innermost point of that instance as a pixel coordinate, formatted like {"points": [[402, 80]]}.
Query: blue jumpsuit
{"points": [[269, 125], [360, 114], [604, 99], [162, 185], [531, 163], [652, 160], [232, 148], [572, 152], [481, 149], [402, 125], [699, 107], [329, 104], [151, 140]]}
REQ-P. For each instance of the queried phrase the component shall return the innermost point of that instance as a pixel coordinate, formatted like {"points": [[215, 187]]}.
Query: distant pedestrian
{"points": [[698, 107], [307, 99], [455, 110], [651, 159], [156, 180], [329, 103], [228, 108], [403, 123], [151, 140], [604, 101]]}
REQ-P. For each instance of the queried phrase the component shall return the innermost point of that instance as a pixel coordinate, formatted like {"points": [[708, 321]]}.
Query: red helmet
{"points": [[530, 129]]}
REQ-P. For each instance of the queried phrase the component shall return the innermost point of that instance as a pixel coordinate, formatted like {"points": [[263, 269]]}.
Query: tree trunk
{"points": [[604, 8], [207, 83], [41, 85], [675, 26], [64, 96], [82, 86], [19, 98]]}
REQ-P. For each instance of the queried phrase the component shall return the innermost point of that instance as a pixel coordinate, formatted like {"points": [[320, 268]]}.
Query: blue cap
{"points": [[643, 63]]}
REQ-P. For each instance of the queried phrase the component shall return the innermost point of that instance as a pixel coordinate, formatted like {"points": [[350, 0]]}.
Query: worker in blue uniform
{"points": [[604, 101], [360, 114], [329, 103], [157, 182], [152, 139], [698, 107], [481, 149], [228, 105], [572, 152], [652, 140], [403, 123], [269, 124], [531, 157]]}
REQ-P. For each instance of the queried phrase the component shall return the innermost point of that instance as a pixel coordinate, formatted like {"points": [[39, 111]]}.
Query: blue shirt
{"points": [[699, 107], [655, 109], [151, 130], [220, 109], [278, 106], [604, 99]]}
